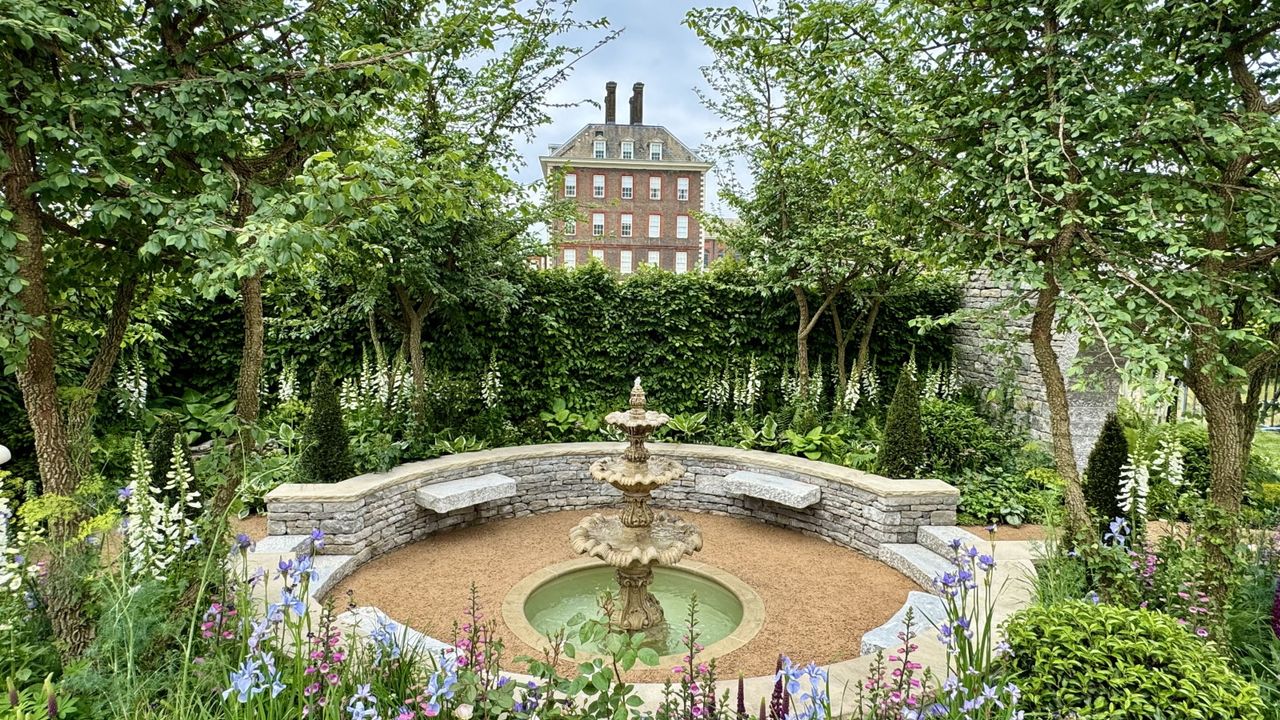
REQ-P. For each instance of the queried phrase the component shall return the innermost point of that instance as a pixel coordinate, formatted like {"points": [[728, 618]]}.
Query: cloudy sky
{"points": [[655, 48]]}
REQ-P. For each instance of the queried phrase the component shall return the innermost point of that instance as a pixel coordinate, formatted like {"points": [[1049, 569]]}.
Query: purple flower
{"points": [[317, 538], [1093, 597], [244, 542], [1275, 612], [1118, 531], [124, 493]]}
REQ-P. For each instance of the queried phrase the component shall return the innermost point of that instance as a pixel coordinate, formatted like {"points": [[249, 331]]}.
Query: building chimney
{"points": [[610, 102], [637, 104]]}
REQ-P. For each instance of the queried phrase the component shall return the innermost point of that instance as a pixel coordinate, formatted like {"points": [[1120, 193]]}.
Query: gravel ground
{"points": [[819, 598]]}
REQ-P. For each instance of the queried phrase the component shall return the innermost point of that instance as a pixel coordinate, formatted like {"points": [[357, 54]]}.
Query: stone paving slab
{"points": [[928, 612]]}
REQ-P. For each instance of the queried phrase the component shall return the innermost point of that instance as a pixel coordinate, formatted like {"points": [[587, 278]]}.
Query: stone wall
{"points": [[992, 352], [372, 514]]}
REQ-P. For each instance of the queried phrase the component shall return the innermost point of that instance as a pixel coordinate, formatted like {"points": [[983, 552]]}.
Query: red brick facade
{"points": [[580, 158], [669, 208]]}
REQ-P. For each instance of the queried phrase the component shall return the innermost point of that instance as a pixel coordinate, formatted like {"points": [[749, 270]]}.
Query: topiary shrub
{"points": [[1102, 474], [160, 448], [326, 448], [903, 446], [1077, 659]]}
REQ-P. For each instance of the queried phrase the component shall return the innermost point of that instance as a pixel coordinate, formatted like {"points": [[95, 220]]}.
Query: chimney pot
{"points": [[610, 102], [637, 104]]}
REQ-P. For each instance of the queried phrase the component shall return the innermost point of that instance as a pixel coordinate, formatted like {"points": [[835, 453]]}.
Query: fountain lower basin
{"points": [[730, 613]]}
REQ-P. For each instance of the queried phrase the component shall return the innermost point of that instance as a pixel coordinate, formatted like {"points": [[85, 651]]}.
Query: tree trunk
{"points": [[1055, 391], [842, 373], [802, 340], [37, 380], [252, 354], [82, 409], [864, 342], [414, 317], [416, 365]]}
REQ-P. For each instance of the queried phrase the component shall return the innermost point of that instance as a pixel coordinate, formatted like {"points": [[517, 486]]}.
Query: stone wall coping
{"points": [[361, 486]]}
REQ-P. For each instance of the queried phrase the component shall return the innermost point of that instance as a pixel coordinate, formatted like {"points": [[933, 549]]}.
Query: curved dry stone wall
{"points": [[372, 514]]}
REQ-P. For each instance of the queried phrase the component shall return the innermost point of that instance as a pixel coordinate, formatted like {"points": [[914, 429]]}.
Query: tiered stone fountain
{"points": [[638, 539]]}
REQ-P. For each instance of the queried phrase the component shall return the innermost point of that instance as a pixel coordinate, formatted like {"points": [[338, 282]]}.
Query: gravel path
{"points": [[819, 598]]}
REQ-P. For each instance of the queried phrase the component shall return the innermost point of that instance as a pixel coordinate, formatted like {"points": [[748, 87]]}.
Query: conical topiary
{"points": [[326, 448], [902, 450], [1102, 475], [160, 448]]}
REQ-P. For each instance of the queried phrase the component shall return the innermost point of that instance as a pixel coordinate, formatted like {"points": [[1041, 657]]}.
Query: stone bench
{"points": [[448, 496], [783, 491]]}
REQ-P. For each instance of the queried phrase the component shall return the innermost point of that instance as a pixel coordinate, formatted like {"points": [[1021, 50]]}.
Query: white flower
{"points": [[1134, 486]]}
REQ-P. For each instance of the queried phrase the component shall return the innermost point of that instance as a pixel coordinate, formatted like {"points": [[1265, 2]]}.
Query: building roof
{"points": [[578, 150]]}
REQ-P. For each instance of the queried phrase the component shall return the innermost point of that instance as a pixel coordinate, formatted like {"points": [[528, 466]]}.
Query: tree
{"points": [[438, 228], [903, 447], [326, 447], [1102, 476], [823, 216]]}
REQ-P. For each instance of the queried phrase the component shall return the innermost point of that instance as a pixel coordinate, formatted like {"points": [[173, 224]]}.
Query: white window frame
{"points": [[597, 224], [628, 187], [598, 255], [570, 258], [627, 221], [628, 150], [599, 149], [655, 187], [682, 189], [655, 151], [597, 186], [655, 226], [655, 258], [682, 261], [624, 262], [570, 227], [682, 227], [571, 185]]}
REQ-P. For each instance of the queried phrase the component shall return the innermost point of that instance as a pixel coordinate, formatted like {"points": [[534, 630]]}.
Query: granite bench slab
{"points": [[465, 492], [783, 491]]}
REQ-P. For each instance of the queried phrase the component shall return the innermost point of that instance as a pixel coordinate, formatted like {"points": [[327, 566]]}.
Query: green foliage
{"points": [[326, 452], [956, 437], [1102, 473], [814, 444], [167, 432], [902, 450], [1102, 661]]}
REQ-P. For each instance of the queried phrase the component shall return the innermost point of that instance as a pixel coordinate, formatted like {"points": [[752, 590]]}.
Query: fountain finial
{"points": [[637, 399]]}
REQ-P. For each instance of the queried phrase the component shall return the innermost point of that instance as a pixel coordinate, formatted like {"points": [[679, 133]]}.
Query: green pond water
{"points": [[553, 603]]}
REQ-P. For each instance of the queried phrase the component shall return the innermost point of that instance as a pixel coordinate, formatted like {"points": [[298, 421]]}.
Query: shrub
{"points": [[1102, 474], [957, 438], [326, 451], [160, 448], [901, 452], [1103, 661]]}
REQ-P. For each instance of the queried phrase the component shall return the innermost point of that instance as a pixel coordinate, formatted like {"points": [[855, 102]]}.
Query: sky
{"points": [[655, 48]]}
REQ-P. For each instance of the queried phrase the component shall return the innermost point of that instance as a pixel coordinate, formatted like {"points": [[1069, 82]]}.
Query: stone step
{"points": [[928, 613], [938, 539], [330, 570], [916, 562], [465, 492], [283, 544]]}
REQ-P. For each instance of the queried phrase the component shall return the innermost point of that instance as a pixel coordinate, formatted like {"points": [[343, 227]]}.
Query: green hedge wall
{"points": [[584, 334], [581, 335]]}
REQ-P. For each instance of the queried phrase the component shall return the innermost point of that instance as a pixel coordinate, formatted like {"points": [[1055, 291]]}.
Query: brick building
{"points": [[637, 190]]}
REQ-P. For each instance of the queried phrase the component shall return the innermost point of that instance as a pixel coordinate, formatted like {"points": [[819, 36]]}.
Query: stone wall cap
{"points": [[364, 485]]}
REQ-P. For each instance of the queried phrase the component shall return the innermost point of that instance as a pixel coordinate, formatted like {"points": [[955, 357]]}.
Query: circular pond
{"points": [[551, 606], [729, 613]]}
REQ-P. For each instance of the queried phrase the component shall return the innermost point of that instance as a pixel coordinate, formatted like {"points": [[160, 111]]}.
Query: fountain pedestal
{"points": [[639, 538]]}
